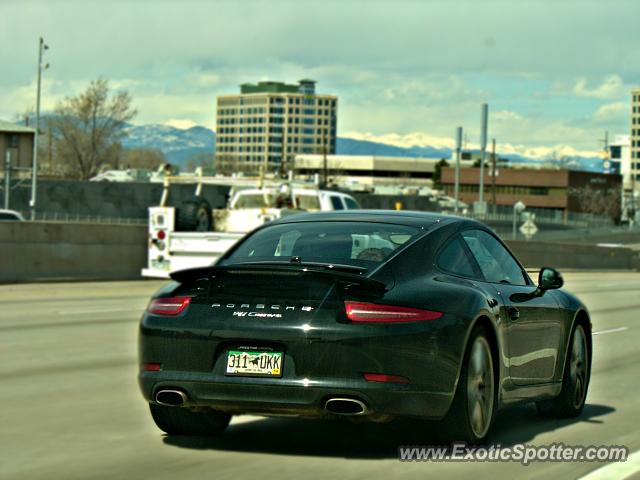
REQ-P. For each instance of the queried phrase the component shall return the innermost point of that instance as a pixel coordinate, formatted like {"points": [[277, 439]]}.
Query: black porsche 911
{"points": [[374, 314]]}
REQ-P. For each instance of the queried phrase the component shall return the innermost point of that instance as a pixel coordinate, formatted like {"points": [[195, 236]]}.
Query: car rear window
{"points": [[350, 243]]}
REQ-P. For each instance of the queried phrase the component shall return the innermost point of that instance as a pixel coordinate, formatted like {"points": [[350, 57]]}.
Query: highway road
{"points": [[70, 405]]}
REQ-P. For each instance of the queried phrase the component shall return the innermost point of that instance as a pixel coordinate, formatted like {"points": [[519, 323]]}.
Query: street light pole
{"points": [[34, 172], [493, 176], [483, 150], [7, 179], [456, 186]]}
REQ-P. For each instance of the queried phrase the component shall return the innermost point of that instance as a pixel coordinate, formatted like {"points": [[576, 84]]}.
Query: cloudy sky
{"points": [[554, 72]]}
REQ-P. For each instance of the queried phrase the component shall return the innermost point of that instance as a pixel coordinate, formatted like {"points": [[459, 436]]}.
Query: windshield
{"points": [[349, 243]]}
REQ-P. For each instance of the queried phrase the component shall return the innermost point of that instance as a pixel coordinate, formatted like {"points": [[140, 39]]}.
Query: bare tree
{"points": [[605, 202], [143, 158], [201, 159], [88, 128]]}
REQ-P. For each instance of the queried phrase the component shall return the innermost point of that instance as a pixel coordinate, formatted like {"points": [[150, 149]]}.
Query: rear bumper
{"points": [[323, 358], [277, 396]]}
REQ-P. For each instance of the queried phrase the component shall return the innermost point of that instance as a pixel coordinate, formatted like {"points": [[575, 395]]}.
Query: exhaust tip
{"points": [[171, 398], [345, 406]]}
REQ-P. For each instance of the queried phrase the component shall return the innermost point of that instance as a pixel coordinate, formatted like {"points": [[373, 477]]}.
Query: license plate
{"points": [[254, 363]]}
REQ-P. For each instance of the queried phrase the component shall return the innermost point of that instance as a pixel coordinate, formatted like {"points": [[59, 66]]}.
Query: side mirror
{"points": [[549, 279]]}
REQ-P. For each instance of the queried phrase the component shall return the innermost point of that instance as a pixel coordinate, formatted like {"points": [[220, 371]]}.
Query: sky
{"points": [[556, 74]]}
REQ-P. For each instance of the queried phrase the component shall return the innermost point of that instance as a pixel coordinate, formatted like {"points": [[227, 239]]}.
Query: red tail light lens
{"points": [[168, 306], [360, 312], [384, 378], [151, 367]]}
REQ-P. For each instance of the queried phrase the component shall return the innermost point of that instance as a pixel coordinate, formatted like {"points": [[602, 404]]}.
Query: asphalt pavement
{"points": [[71, 406]]}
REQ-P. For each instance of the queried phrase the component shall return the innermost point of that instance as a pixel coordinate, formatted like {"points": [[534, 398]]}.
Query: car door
{"points": [[533, 323]]}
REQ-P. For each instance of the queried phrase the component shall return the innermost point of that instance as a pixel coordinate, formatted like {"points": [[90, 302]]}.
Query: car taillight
{"points": [[361, 312], [168, 305], [151, 367], [384, 378]]}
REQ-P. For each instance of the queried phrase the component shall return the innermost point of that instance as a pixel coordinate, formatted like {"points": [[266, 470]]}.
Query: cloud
{"points": [[506, 116], [417, 67], [611, 112], [611, 87], [204, 79]]}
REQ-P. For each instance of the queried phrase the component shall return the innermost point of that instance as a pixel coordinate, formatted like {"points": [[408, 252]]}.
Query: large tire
{"points": [[194, 215], [474, 405], [575, 379], [181, 421]]}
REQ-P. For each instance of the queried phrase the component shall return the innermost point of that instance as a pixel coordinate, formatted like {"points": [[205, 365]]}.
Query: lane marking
{"points": [[617, 470], [611, 330], [71, 323], [102, 310]]}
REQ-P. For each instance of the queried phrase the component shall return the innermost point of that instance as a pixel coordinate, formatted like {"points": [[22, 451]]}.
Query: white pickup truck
{"points": [[195, 235]]}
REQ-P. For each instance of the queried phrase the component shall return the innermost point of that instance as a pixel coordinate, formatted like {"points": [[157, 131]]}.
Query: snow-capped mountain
{"points": [[179, 145]]}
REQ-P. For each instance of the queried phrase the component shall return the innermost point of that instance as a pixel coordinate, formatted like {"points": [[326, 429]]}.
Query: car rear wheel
{"points": [[473, 407], [182, 421], [575, 380]]}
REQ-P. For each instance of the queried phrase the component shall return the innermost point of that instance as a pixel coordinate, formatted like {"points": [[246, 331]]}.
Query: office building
{"points": [[268, 123]]}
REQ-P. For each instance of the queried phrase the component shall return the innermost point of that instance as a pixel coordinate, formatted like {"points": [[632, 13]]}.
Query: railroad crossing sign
{"points": [[528, 229]]}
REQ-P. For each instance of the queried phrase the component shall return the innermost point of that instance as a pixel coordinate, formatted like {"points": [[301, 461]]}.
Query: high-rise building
{"points": [[268, 123], [620, 159], [634, 140]]}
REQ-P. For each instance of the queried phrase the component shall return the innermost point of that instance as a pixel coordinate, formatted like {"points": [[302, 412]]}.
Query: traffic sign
{"points": [[528, 229]]}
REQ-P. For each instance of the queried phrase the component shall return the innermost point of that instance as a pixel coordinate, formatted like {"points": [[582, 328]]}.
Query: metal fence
{"points": [[546, 216], [79, 218]]}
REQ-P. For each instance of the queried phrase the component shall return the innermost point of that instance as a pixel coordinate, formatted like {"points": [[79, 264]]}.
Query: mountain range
{"points": [[180, 145]]}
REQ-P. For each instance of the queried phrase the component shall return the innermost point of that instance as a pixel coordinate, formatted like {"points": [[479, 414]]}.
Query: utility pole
{"points": [[7, 179], [324, 160], [493, 176], [50, 151], [456, 185], [34, 173], [483, 150]]}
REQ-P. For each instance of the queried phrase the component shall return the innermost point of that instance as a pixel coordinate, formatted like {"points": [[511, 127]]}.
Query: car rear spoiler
{"points": [[346, 279]]}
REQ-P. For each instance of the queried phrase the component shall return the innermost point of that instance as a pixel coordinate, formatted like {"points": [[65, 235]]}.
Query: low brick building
{"points": [[549, 189]]}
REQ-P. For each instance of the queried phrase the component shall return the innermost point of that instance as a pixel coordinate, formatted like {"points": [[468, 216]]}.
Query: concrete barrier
{"points": [[570, 255], [41, 251]]}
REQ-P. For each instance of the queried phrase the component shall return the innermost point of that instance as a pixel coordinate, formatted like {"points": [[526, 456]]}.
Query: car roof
{"points": [[399, 217]]}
